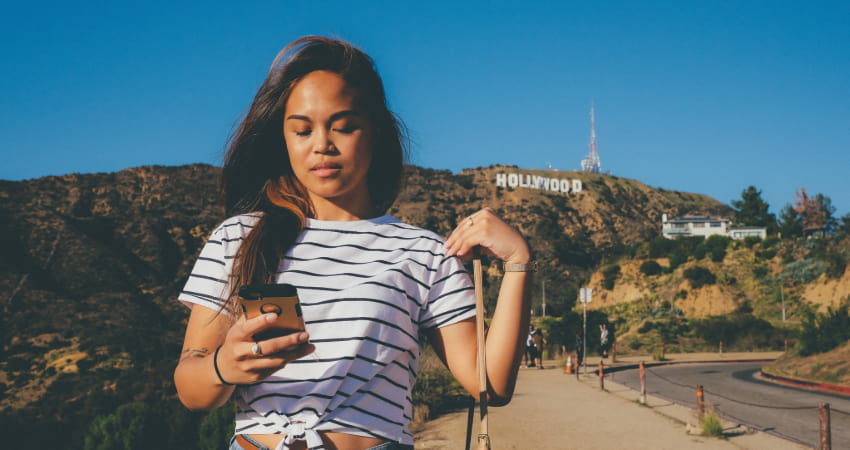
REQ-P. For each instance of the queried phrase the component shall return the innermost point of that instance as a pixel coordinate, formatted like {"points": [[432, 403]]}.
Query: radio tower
{"points": [[591, 162]]}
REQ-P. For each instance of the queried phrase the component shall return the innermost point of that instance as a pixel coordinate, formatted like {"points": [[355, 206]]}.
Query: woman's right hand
{"points": [[238, 364]]}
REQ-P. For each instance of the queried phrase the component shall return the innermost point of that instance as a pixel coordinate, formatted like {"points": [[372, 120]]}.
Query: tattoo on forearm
{"points": [[194, 353]]}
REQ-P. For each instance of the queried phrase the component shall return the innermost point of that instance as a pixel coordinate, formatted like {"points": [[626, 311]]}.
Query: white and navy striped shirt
{"points": [[368, 289]]}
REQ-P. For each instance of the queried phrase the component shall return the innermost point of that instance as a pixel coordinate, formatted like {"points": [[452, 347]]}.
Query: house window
{"points": [[715, 224], [699, 224]]}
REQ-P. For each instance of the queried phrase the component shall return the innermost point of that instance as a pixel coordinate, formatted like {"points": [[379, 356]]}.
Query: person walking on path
{"points": [[603, 340], [538, 339]]}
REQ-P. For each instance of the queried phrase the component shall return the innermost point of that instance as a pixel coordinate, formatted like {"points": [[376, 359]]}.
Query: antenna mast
{"points": [[591, 162]]}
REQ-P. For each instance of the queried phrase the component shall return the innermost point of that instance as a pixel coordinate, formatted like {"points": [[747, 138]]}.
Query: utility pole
{"points": [[544, 298], [585, 298]]}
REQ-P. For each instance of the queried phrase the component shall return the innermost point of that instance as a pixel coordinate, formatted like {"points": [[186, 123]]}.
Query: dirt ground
{"points": [[552, 410]]}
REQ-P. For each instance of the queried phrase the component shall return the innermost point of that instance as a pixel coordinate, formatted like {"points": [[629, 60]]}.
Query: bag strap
{"points": [[483, 435]]}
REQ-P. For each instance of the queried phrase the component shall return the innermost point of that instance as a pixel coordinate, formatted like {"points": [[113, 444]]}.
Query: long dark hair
{"points": [[257, 176]]}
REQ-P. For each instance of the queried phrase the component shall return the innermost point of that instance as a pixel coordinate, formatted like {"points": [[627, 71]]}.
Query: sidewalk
{"points": [[552, 410]]}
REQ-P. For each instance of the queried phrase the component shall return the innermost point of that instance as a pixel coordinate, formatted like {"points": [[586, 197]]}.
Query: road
{"points": [[740, 396]]}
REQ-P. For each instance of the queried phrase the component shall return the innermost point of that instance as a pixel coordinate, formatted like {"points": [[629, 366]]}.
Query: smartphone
{"points": [[281, 299]]}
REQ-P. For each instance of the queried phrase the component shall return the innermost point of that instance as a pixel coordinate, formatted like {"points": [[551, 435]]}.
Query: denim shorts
{"points": [[385, 446]]}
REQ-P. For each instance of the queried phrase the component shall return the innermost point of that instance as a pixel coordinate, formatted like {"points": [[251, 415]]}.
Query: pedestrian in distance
{"points": [[530, 350], [538, 339], [603, 340], [308, 176]]}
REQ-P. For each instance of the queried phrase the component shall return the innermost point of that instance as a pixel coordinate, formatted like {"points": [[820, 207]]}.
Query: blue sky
{"points": [[697, 96]]}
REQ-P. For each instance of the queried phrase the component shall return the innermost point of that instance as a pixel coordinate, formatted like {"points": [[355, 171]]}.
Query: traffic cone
{"points": [[568, 369]]}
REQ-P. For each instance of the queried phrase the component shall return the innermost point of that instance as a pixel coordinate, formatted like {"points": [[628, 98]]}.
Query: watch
{"points": [[530, 266]]}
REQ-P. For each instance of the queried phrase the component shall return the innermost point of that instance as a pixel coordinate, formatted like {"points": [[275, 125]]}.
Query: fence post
{"points": [[825, 432], [721, 348], [642, 383], [700, 401], [601, 376], [663, 349]]}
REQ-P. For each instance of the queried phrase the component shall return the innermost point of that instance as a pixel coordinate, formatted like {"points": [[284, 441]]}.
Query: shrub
{"points": [[804, 270], [609, 276], [760, 271], [770, 242], [766, 254], [131, 426], [699, 277], [711, 425], [217, 427], [650, 268], [741, 330], [677, 258], [823, 332], [750, 241]]}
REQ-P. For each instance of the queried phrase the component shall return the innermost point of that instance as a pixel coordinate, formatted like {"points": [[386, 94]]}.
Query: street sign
{"points": [[585, 295]]}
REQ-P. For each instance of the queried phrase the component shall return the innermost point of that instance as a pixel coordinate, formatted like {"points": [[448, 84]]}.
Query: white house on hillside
{"points": [[706, 226]]}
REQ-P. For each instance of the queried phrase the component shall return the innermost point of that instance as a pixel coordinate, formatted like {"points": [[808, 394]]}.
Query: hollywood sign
{"points": [[537, 182]]}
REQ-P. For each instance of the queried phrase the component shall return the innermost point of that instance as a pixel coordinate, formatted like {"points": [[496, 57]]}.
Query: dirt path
{"points": [[551, 410]]}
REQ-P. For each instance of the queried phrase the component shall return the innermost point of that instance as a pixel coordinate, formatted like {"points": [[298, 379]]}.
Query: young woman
{"points": [[308, 176]]}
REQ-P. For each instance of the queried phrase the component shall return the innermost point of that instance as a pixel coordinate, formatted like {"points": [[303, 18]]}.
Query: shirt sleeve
{"points": [[451, 297], [208, 284]]}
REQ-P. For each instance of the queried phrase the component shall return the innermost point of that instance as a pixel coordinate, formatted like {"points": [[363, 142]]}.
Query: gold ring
{"points": [[256, 350], [470, 222]]}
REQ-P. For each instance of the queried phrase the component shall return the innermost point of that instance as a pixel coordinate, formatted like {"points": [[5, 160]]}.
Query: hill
{"points": [[90, 265]]}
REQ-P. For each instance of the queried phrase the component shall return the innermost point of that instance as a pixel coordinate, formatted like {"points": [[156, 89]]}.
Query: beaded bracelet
{"points": [[215, 366]]}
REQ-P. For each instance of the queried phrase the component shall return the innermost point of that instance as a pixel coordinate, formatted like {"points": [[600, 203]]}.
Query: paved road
{"points": [[738, 395]]}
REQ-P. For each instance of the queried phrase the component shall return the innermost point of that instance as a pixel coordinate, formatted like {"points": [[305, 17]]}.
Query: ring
{"points": [[256, 350], [470, 222]]}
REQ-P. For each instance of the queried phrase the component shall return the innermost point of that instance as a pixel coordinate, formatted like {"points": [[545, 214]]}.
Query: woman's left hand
{"points": [[495, 237]]}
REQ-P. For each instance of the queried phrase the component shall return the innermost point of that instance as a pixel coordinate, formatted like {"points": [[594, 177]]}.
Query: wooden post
{"points": [[613, 351], [721, 348], [642, 383], [786, 345], [825, 432], [700, 401], [663, 349], [601, 376]]}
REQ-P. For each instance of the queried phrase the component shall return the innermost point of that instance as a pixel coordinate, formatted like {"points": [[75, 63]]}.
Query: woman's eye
{"points": [[347, 129], [303, 132]]}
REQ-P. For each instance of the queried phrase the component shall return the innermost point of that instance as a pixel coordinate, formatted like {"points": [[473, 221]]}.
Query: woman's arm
{"points": [[199, 387], [456, 343]]}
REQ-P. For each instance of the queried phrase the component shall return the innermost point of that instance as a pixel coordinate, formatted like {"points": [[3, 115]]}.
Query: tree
{"points": [[830, 223], [752, 210], [790, 224], [844, 226], [817, 213]]}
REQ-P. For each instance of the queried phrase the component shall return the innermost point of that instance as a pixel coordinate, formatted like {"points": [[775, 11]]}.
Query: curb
{"points": [[610, 369], [806, 384]]}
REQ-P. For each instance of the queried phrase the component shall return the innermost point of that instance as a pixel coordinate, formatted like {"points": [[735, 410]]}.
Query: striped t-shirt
{"points": [[368, 290]]}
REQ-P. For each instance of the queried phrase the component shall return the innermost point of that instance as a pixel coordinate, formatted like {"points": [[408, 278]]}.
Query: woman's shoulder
{"points": [[238, 225], [401, 228]]}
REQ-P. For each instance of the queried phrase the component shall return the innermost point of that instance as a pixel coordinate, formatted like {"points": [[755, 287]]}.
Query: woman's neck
{"points": [[337, 211]]}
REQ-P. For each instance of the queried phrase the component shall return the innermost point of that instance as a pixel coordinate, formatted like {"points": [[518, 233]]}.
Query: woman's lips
{"points": [[326, 170]]}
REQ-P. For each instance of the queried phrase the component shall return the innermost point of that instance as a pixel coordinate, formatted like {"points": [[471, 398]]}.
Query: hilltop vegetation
{"points": [[90, 266]]}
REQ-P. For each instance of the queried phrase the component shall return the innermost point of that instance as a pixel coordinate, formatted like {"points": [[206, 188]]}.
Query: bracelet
{"points": [[530, 266], [215, 366]]}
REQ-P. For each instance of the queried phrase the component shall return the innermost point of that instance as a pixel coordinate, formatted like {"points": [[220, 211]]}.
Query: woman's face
{"points": [[329, 140]]}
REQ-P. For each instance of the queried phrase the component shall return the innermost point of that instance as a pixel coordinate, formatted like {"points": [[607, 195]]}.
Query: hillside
{"points": [[90, 265]]}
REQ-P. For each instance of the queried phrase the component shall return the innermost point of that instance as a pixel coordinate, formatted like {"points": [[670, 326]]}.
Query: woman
{"points": [[308, 176]]}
